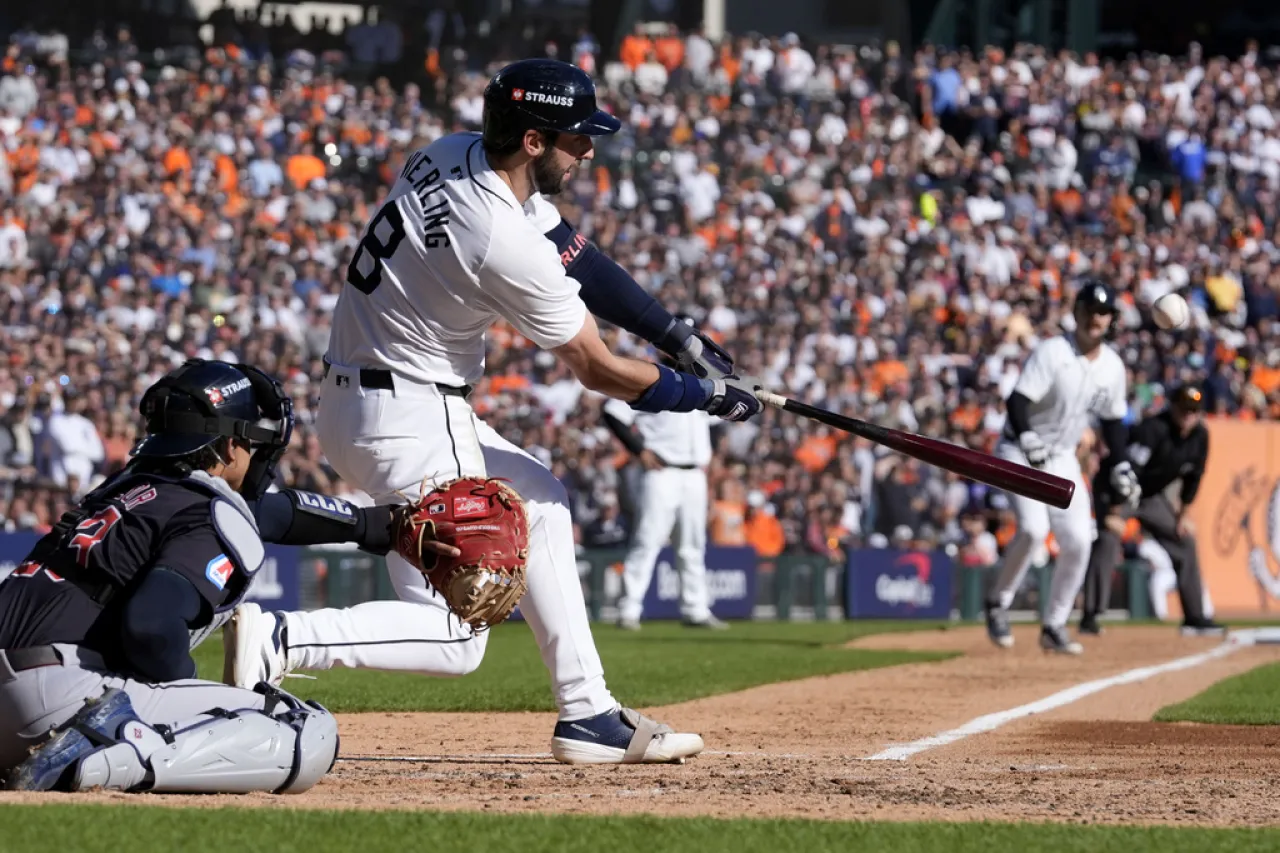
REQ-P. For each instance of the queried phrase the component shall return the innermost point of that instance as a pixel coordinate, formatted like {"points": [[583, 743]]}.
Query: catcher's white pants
{"points": [[1071, 527], [385, 441], [670, 498]]}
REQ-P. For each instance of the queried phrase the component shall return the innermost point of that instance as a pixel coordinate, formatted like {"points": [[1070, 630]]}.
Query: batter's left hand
{"points": [[733, 399], [704, 358]]}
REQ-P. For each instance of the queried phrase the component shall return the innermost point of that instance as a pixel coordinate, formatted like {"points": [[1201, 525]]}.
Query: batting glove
{"points": [[1033, 448], [704, 358], [1124, 480], [732, 398]]}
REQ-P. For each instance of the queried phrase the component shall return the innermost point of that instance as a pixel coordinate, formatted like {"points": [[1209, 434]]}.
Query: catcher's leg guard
{"points": [[285, 749]]}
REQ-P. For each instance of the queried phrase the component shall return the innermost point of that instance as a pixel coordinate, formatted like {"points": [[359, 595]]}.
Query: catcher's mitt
{"points": [[485, 521]]}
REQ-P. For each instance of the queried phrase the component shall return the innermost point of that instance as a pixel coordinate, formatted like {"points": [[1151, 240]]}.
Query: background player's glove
{"points": [[1124, 481], [732, 398], [704, 358], [1033, 448], [485, 521]]}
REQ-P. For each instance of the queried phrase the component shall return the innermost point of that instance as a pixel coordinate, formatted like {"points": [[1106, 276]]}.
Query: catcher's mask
{"points": [[202, 401]]}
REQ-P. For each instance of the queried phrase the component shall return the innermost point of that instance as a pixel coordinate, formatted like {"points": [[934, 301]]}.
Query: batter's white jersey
{"points": [[451, 251], [677, 438], [1066, 389]]}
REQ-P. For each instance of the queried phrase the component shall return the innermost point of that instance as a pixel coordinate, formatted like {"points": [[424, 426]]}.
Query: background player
{"points": [[461, 242], [674, 448], [1066, 380]]}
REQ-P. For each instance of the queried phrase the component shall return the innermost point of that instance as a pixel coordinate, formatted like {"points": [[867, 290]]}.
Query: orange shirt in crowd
{"points": [[727, 519], [302, 169], [764, 534], [634, 49]]}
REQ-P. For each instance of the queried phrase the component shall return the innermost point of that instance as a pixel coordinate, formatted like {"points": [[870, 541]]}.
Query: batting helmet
{"points": [[1187, 397], [1094, 297], [192, 407], [542, 94]]}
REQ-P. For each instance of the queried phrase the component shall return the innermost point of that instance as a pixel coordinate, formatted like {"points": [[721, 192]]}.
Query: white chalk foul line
{"points": [[991, 722]]}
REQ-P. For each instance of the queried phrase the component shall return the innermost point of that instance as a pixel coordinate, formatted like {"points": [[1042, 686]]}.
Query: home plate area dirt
{"points": [[799, 749]]}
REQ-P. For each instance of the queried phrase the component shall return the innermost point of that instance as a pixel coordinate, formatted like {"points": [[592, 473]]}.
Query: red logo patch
{"points": [[517, 94], [214, 395], [466, 506]]}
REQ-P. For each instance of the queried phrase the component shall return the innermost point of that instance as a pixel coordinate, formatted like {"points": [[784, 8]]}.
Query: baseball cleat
{"points": [[94, 727], [629, 624], [1204, 628], [998, 626], [254, 648], [710, 623], [1089, 625], [621, 737], [1055, 640]]}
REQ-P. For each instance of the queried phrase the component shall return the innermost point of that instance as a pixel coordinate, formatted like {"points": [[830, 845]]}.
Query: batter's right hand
{"points": [[1033, 448], [732, 398]]}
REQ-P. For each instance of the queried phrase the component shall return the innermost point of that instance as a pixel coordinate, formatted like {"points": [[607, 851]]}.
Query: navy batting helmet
{"points": [[542, 94], [1094, 297], [192, 407]]}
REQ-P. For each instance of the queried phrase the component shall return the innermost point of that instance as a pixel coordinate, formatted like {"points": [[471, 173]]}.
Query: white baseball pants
{"points": [[385, 442], [1071, 527], [670, 498]]}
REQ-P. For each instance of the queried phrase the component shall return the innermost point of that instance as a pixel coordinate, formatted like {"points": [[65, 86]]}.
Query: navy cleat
{"points": [[621, 737], [1056, 641], [94, 727], [998, 626]]}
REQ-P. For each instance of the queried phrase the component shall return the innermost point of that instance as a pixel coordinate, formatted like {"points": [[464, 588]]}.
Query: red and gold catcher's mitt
{"points": [[485, 521]]}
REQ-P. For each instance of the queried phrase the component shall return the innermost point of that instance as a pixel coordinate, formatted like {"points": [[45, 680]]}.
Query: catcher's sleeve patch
{"points": [[239, 535], [324, 506]]}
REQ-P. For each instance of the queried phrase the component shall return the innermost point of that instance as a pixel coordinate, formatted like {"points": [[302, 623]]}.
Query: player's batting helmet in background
{"points": [[1094, 297], [542, 94], [193, 406]]}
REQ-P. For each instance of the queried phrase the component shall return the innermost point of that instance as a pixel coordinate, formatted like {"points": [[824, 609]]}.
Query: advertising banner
{"points": [[884, 583], [1237, 519]]}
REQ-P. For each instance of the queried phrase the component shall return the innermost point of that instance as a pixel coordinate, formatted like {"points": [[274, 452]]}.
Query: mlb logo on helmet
{"points": [[219, 571], [517, 94]]}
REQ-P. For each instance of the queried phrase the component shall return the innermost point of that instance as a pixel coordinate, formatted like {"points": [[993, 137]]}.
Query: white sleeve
{"points": [[619, 410], [1116, 404], [1037, 374], [523, 280]]}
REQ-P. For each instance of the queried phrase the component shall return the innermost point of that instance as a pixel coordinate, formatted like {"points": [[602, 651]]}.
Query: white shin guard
{"points": [[285, 752]]}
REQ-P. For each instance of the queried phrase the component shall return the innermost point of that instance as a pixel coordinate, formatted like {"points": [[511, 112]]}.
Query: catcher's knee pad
{"points": [[285, 749]]}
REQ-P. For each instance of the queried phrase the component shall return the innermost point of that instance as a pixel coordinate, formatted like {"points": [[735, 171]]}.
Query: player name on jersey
{"points": [[426, 183]]}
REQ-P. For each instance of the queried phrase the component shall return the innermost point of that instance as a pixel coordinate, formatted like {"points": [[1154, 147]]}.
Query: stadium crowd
{"points": [[877, 233]]}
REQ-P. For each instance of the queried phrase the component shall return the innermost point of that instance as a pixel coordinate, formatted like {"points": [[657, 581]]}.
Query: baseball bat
{"points": [[971, 464]]}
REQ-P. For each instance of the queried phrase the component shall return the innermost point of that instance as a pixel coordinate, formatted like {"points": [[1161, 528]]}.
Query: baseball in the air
{"points": [[1171, 312]]}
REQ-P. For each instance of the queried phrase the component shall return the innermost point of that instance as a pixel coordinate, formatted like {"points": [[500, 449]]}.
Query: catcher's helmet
{"points": [[192, 407], [542, 94], [1094, 297]]}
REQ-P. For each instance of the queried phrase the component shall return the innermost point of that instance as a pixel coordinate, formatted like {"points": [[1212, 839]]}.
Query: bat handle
{"points": [[771, 399]]}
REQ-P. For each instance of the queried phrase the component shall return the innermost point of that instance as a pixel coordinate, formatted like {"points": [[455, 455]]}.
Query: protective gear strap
{"points": [[674, 392], [611, 294]]}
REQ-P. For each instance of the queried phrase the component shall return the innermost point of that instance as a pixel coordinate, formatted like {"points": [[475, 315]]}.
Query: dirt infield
{"points": [[799, 749]]}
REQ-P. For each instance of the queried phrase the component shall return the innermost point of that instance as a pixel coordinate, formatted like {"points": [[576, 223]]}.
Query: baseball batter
{"points": [[1066, 381], [465, 238], [675, 449]]}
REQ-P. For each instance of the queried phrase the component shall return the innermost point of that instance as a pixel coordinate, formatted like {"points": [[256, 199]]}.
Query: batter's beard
{"points": [[548, 178]]}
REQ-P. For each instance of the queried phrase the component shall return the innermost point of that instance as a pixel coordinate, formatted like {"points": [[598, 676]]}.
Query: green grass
{"points": [[111, 829], [1251, 698], [663, 664]]}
